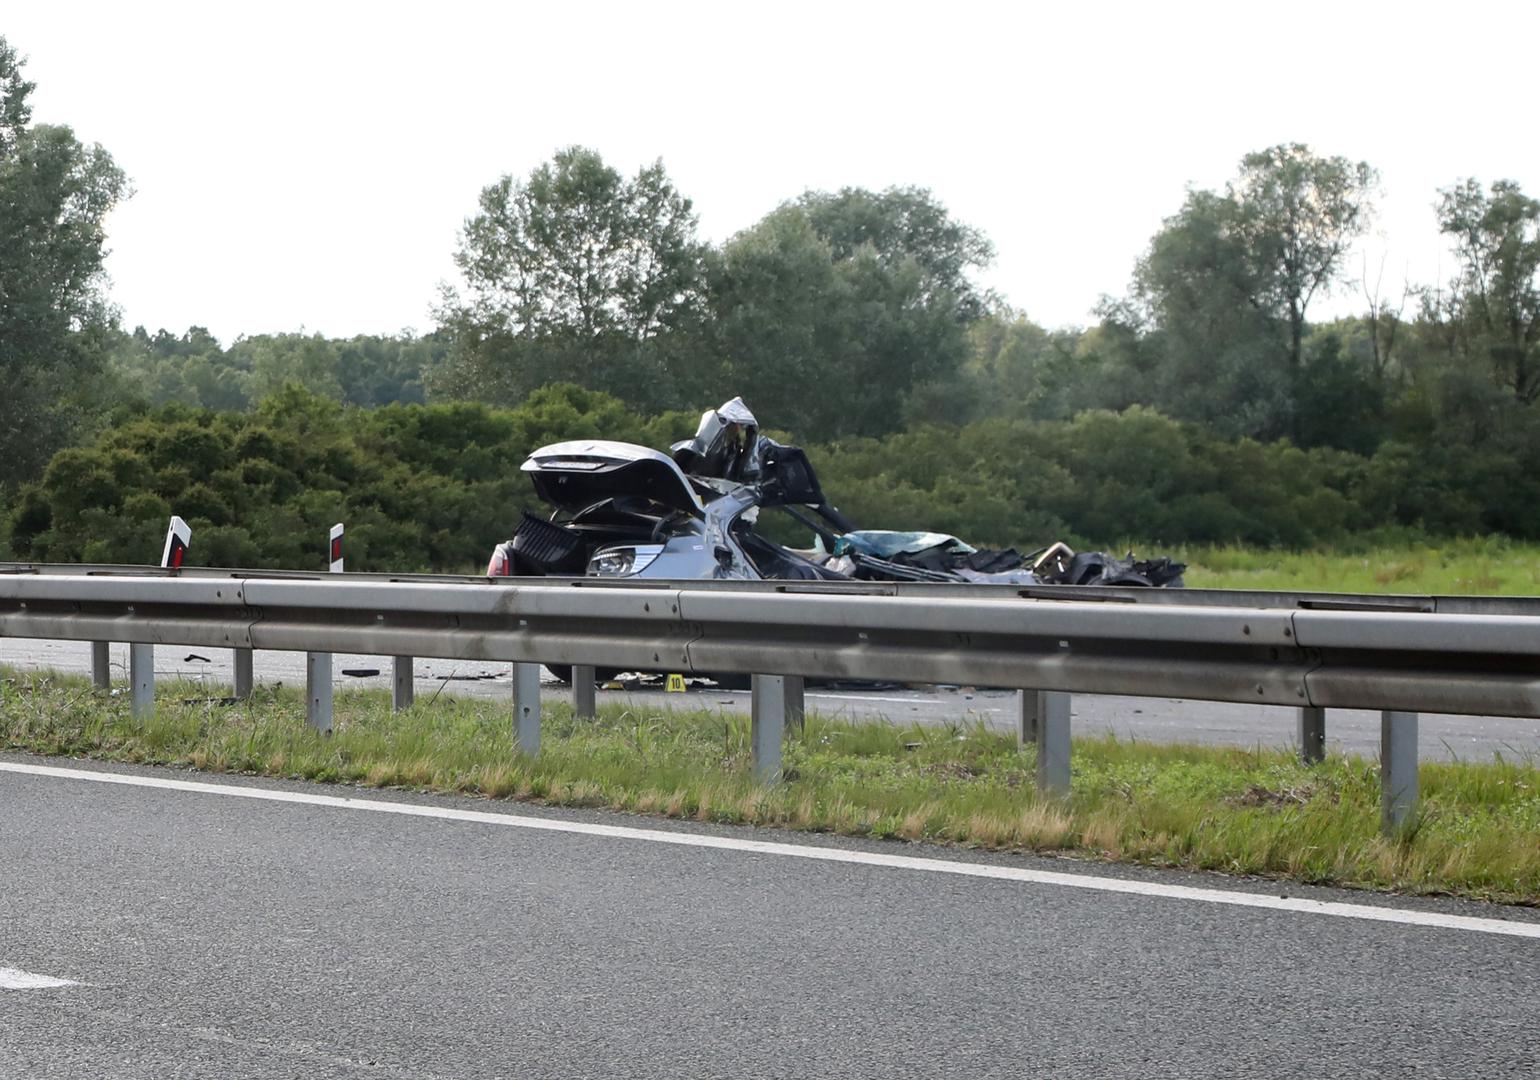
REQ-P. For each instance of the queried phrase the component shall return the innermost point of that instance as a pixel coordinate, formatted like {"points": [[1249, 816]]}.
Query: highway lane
{"points": [[212, 936], [1468, 738]]}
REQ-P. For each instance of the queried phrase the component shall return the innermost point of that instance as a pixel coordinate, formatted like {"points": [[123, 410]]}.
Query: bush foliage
{"points": [[435, 486]]}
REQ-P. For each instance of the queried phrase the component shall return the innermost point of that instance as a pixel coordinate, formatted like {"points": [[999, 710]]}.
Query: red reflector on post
{"points": [[178, 537]]}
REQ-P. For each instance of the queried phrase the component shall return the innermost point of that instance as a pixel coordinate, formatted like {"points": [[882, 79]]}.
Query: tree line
{"points": [[850, 320]]}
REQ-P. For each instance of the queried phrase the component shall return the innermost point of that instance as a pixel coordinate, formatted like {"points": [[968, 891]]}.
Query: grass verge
{"points": [[1482, 566], [1237, 811]]}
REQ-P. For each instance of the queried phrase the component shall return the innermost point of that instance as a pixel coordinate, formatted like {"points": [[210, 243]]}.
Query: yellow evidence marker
{"points": [[675, 684]]}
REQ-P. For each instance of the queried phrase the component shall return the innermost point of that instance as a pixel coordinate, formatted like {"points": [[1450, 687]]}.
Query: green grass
{"points": [[1238, 811], [1487, 566]]}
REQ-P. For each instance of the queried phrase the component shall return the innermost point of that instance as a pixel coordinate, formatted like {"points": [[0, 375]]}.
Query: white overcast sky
{"points": [[309, 165]]}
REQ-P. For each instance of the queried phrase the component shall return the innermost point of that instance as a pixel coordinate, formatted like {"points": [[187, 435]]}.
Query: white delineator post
{"points": [[318, 665], [178, 539]]}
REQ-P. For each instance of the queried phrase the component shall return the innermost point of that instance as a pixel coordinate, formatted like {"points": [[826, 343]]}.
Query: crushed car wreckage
{"points": [[622, 510]]}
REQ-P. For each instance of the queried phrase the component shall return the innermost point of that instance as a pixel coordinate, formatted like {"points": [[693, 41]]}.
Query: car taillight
{"points": [[498, 567]]}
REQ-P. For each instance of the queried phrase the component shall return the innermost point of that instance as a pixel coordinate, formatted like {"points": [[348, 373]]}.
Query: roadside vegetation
{"points": [[1231, 810], [1469, 567]]}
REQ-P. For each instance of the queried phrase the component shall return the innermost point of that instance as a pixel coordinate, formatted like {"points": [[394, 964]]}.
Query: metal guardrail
{"points": [[1114, 594], [1311, 651]]}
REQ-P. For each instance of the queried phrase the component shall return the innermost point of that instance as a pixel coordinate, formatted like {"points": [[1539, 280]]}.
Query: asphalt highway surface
{"points": [[163, 931], [1166, 720]]}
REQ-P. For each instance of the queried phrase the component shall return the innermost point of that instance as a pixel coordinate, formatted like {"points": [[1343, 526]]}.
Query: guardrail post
{"points": [[1398, 770], [526, 708], [1312, 735], [243, 680], [1053, 742], [402, 689], [767, 723], [1028, 702], [101, 665], [796, 700], [141, 679], [318, 691], [584, 702]]}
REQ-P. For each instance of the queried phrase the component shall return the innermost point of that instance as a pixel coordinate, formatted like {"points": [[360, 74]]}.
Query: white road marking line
{"points": [[1265, 901], [16, 979]]}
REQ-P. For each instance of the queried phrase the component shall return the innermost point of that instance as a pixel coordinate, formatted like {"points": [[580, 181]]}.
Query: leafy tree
{"points": [[905, 224], [1338, 401], [1495, 304], [1298, 215], [1020, 369], [1212, 341], [573, 273], [1226, 285], [367, 370], [835, 310], [54, 196]]}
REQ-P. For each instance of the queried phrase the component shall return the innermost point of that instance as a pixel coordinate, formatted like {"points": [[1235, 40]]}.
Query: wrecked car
{"points": [[622, 510]]}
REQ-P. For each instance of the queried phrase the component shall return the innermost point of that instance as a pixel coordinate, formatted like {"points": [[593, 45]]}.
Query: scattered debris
{"points": [[361, 672], [190, 657], [1257, 795]]}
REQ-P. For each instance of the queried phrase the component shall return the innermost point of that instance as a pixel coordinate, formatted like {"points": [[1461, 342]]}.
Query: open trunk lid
{"points": [[573, 475]]}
